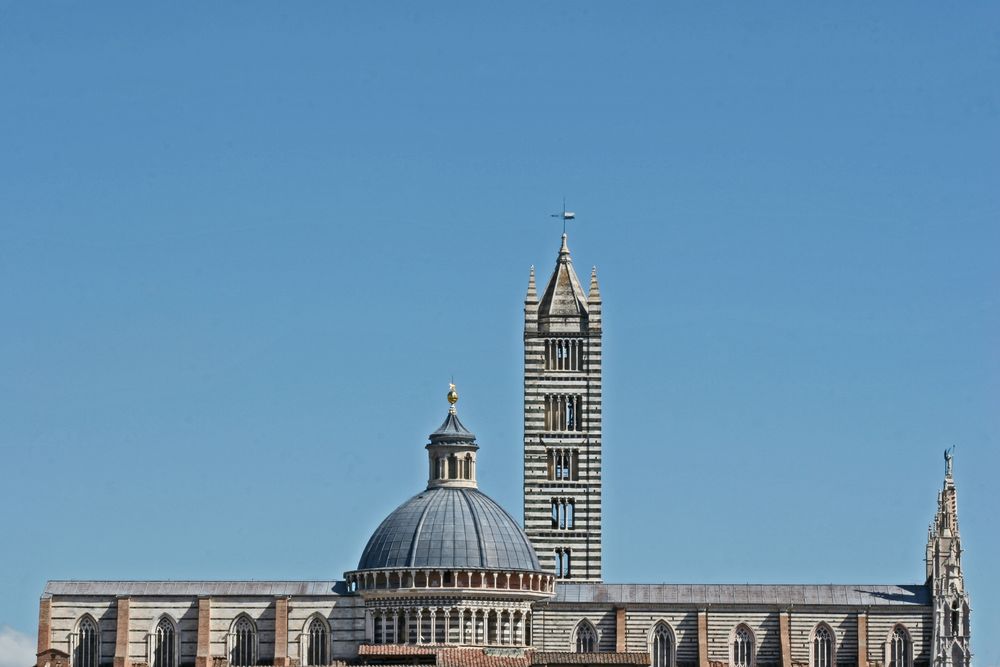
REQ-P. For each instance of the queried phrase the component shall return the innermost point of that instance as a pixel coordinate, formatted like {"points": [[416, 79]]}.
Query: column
{"points": [[702, 638], [121, 634], [203, 655], [862, 639], [44, 625], [369, 626], [281, 632], [620, 630], [785, 634]]}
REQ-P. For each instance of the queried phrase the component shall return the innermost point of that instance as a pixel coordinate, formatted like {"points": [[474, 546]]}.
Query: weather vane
{"points": [[565, 215]]}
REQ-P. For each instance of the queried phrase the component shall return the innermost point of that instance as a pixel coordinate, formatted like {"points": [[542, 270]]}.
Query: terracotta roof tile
{"points": [[452, 656], [570, 658], [398, 649], [489, 657]]}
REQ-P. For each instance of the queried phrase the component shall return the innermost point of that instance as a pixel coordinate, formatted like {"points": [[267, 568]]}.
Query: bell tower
{"points": [[562, 422]]}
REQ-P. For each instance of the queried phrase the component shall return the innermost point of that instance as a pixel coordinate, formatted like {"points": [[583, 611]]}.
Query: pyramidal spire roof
{"points": [[532, 296], [595, 290], [453, 432], [563, 297]]}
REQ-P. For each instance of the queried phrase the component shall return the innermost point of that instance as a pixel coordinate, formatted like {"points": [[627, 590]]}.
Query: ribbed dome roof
{"points": [[449, 528]]}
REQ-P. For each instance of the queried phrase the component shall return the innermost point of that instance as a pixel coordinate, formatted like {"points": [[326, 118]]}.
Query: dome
{"points": [[449, 528]]}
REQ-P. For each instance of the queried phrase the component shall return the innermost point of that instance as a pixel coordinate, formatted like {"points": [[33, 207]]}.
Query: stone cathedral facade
{"points": [[450, 578]]}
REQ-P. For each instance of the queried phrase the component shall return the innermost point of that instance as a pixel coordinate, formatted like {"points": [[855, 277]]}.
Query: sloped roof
{"points": [[563, 296], [739, 594], [605, 658], [213, 588], [452, 430], [471, 656]]}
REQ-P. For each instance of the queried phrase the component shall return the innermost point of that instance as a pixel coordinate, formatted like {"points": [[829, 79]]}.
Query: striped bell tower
{"points": [[562, 422]]}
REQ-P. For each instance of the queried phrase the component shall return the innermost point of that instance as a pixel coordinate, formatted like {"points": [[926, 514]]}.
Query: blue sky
{"points": [[243, 247]]}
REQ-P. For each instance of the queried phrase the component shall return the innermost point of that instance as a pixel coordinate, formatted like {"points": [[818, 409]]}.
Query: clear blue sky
{"points": [[243, 247]]}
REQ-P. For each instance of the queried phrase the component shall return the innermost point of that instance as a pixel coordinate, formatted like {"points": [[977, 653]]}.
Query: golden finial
{"points": [[452, 396]]}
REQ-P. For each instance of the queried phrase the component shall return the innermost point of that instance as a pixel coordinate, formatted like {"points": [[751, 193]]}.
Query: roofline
{"points": [[729, 583]]}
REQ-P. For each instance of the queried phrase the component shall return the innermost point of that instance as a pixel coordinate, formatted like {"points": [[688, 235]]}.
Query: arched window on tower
{"points": [[318, 642], [562, 563], [898, 648], [823, 647], [742, 647], [164, 648], [956, 619], [957, 656], [586, 638], [87, 651], [243, 642], [563, 412], [661, 648]]}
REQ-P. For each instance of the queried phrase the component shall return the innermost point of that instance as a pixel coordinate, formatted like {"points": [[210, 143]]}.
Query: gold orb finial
{"points": [[452, 396]]}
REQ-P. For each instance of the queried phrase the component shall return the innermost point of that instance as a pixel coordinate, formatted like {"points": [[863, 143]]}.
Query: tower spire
{"points": [[563, 302], [945, 577]]}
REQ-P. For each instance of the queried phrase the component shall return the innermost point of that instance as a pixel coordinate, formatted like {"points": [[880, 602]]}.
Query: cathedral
{"points": [[450, 578]]}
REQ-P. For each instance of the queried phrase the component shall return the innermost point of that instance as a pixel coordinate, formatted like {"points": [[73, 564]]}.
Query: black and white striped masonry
{"points": [[562, 422]]}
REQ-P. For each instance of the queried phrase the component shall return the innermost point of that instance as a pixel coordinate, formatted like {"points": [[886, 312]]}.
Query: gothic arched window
{"points": [[318, 647], [562, 563], [662, 646], [243, 642], [586, 638], [164, 653], [742, 645], [957, 656], [87, 652], [899, 648], [823, 646]]}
